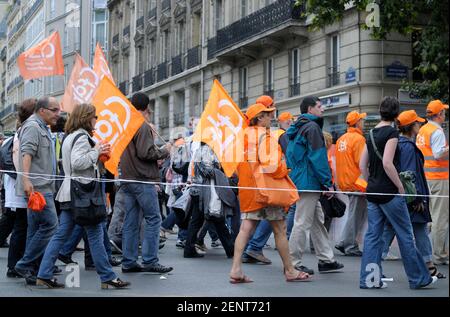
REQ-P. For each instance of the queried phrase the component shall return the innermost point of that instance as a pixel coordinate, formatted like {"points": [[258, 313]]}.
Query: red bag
{"points": [[36, 202]]}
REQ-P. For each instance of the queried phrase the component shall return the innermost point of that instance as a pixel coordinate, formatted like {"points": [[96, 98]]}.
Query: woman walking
{"points": [[80, 159], [380, 164]]}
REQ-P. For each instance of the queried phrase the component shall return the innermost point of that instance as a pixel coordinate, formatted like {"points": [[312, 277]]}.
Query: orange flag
{"points": [[44, 59], [101, 67], [81, 87], [117, 120], [222, 126]]}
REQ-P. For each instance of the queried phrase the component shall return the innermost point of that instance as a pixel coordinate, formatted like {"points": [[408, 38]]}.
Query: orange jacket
{"points": [[349, 148], [434, 169], [259, 145]]}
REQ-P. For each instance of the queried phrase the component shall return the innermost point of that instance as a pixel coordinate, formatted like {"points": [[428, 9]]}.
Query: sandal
{"points": [[434, 272], [239, 280], [301, 276]]}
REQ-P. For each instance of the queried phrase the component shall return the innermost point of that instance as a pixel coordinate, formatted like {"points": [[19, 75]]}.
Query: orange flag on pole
{"points": [[101, 67], [44, 59], [222, 126], [117, 122], [81, 87]]}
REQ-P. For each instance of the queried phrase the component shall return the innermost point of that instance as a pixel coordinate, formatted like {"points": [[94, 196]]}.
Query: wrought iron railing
{"points": [[294, 89], [137, 83], [243, 102], [25, 17], [268, 90], [149, 78], [255, 23], [161, 71], [193, 57], [333, 76], [152, 13], [178, 118], [164, 122], [177, 65], [123, 87]]}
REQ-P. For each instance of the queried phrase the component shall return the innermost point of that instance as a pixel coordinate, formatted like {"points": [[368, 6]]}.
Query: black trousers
{"points": [[6, 224], [196, 224], [18, 237]]}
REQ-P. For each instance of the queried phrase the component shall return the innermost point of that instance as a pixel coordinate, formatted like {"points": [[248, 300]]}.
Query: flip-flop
{"points": [[301, 277], [434, 272], [239, 280]]}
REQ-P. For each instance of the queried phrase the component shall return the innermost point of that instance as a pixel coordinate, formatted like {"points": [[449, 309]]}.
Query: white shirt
{"points": [[11, 199], [438, 141]]}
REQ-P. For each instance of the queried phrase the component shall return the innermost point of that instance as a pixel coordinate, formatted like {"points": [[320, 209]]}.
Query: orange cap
{"points": [[179, 142], [354, 117], [256, 109], [435, 106], [407, 117], [266, 101], [285, 116]]}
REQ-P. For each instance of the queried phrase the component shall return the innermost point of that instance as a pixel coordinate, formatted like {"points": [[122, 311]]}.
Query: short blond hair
{"points": [[328, 139]]}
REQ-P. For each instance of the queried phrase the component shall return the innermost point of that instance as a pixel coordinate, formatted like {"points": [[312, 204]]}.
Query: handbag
{"points": [[333, 207], [406, 177], [88, 204]]}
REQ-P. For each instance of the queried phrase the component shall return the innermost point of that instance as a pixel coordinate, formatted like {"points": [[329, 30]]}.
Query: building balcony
{"points": [[8, 110], [178, 118], [137, 83], [25, 18], [152, 13], [123, 87], [268, 90], [333, 76], [177, 65], [261, 33], [193, 57], [243, 102], [163, 122], [195, 3], [149, 78], [294, 89], [140, 22], [161, 71]]}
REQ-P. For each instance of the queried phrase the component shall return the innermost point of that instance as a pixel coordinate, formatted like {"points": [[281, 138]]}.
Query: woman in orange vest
{"points": [[257, 140]]}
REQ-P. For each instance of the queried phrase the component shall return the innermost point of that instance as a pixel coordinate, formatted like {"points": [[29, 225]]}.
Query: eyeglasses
{"points": [[54, 110]]}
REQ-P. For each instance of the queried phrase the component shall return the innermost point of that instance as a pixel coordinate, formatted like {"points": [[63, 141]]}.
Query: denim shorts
{"points": [[268, 213]]}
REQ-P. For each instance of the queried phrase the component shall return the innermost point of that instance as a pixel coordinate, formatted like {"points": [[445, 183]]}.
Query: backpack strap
{"points": [[374, 145], [92, 144]]}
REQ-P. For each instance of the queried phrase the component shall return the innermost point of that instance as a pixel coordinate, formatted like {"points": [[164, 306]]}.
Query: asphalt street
{"points": [[208, 277]]}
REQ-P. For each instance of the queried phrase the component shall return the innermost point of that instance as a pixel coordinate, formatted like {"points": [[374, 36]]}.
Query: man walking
{"points": [[307, 157], [37, 155], [432, 142], [349, 148], [139, 162]]}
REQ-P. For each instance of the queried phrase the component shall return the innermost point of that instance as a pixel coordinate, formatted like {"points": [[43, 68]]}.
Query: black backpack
{"points": [[6, 157]]}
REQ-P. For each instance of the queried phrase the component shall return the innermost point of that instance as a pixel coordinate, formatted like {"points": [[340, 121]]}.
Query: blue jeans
{"points": [[396, 212], [170, 220], [182, 234], [95, 237], [139, 197], [71, 243], [41, 227], [423, 242], [264, 230]]}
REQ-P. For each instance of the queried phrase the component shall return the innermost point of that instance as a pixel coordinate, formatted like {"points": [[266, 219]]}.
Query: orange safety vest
{"points": [[434, 169]]}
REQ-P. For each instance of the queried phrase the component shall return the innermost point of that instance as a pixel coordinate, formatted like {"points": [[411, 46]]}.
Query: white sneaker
{"points": [[391, 257], [433, 280]]}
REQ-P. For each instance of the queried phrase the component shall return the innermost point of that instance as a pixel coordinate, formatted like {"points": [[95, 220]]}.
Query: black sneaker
{"points": [[304, 269], [66, 259], [340, 248], [30, 280], [11, 273], [50, 283], [56, 270], [325, 267], [157, 268], [134, 269], [114, 261]]}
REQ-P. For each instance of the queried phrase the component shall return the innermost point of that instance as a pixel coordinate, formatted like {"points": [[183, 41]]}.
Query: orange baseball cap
{"points": [[435, 106], [256, 109], [285, 116], [354, 117], [266, 101], [407, 117]]}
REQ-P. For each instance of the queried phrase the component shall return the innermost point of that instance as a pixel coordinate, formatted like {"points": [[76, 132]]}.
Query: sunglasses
{"points": [[54, 110]]}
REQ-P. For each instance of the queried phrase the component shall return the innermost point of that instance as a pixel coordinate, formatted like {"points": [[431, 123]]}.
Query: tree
{"points": [[427, 18]]}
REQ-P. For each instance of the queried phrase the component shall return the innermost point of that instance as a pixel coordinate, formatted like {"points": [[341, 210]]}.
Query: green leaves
{"points": [[430, 17]]}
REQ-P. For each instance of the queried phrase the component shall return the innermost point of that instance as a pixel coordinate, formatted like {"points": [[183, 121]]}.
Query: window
{"points": [[243, 85], [166, 46], [333, 72], [295, 72], [180, 46], [268, 77], [244, 8], [151, 54], [140, 60], [100, 30], [196, 29], [218, 15]]}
